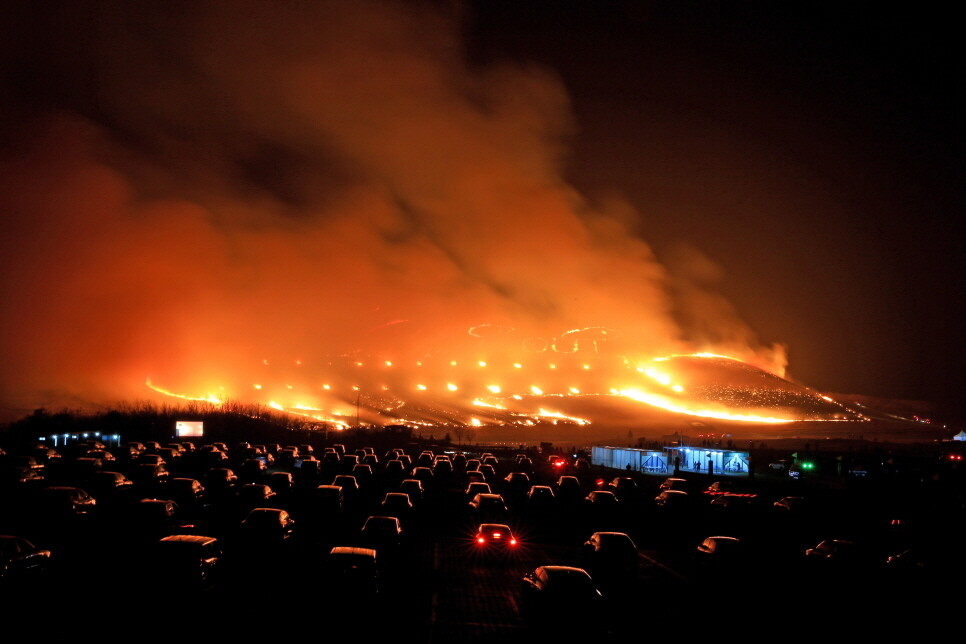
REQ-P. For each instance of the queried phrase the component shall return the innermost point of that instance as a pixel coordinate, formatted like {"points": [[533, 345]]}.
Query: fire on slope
{"points": [[532, 388]]}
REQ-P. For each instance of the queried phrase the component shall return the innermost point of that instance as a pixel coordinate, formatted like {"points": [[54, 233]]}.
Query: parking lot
{"points": [[437, 582]]}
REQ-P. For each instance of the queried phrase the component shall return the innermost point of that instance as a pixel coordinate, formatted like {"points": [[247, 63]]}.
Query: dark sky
{"points": [[814, 151], [796, 169]]}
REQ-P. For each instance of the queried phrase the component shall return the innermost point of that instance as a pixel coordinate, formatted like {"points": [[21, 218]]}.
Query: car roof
{"points": [[353, 551], [610, 533], [564, 571], [494, 526], [723, 538], [265, 511], [189, 538]]}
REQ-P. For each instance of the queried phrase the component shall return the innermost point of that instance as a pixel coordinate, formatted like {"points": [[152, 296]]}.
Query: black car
{"points": [[21, 560], [610, 552], [187, 561], [550, 592], [267, 525], [382, 533], [352, 574], [489, 507]]}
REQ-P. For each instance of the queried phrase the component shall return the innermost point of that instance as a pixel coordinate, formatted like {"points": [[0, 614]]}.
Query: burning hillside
{"points": [[538, 388]]}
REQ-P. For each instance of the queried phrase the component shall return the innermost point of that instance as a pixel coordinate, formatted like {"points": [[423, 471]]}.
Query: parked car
{"points": [[396, 504], [792, 504], [281, 482], [352, 574], [382, 533], [362, 472], [254, 495], [64, 502], [152, 458], [569, 489], [836, 550], [347, 462], [674, 483], [475, 488], [517, 484], [21, 560], [672, 500], [110, 486], [329, 499], [624, 487], [186, 491], [475, 476], [414, 488], [349, 485], [550, 592], [267, 525], [541, 497], [442, 467], [489, 507], [734, 503], [495, 536], [187, 561], [395, 468], [602, 498], [154, 517], [253, 469], [150, 478], [220, 481], [610, 552], [720, 551], [722, 487], [424, 474]]}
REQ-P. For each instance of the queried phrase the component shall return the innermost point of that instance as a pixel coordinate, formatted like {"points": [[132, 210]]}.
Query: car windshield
{"points": [[570, 582]]}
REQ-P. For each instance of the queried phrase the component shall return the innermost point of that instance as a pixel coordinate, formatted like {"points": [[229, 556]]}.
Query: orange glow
{"points": [[664, 403], [210, 398], [630, 379], [554, 416]]}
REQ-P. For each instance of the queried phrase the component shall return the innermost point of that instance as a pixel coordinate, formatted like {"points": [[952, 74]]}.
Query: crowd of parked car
{"points": [[216, 518]]}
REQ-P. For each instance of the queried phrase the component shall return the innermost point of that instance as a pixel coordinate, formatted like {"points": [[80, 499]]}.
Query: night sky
{"points": [[187, 186]]}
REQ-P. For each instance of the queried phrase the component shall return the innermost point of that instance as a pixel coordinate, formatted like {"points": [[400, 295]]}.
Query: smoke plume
{"points": [[197, 191]]}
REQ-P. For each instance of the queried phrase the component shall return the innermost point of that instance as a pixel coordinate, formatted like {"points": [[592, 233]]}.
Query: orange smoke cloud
{"points": [[298, 182]]}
